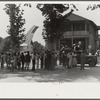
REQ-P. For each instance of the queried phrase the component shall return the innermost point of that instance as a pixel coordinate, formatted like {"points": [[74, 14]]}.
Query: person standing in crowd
{"points": [[14, 66], [74, 59], [67, 49], [37, 58], [28, 60], [42, 59], [98, 56], [25, 53], [70, 59], [8, 60], [78, 49], [49, 57], [60, 54], [45, 60], [83, 59], [6, 55], [53, 60], [33, 61], [68, 55], [79, 46], [2, 60], [74, 47], [18, 61], [64, 59], [22, 60]]}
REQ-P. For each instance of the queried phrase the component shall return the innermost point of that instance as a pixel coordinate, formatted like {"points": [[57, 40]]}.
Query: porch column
{"points": [[86, 46]]}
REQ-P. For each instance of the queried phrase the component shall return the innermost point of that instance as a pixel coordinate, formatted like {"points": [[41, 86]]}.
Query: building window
{"points": [[87, 27], [79, 26], [68, 27], [82, 26]]}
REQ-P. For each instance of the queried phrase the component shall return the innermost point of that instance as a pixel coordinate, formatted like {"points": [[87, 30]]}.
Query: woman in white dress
{"points": [[74, 60]]}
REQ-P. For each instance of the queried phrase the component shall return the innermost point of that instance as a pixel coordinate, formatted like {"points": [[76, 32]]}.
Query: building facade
{"points": [[80, 29]]}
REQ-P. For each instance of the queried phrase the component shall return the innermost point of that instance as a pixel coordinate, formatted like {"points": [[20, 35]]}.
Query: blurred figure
{"points": [[5, 59], [53, 60], [37, 58], [2, 60], [98, 57], [22, 60], [74, 47], [25, 53], [64, 59], [70, 59], [45, 60], [18, 61], [60, 54], [83, 58], [8, 60], [28, 60], [74, 59], [42, 59], [33, 61], [14, 62], [49, 57]]}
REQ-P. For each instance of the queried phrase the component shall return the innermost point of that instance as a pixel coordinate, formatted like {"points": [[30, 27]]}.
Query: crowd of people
{"points": [[68, 58], [20, 61]]}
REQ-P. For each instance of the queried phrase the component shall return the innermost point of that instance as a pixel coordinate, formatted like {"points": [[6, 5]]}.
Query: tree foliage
{"points": [[55, 22], [93, 6], [37, 47], [15, 30], [5, 45], [1, 40]]}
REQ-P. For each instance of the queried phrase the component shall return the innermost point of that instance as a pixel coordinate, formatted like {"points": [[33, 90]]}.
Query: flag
{"points": [[30, 34]]}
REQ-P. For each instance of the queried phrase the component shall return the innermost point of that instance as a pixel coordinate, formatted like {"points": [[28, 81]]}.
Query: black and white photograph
{"points": [[50, 46], [49, 42]]}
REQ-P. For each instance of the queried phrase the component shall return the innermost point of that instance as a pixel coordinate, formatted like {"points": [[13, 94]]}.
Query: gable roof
{"points": [[74, 17]]}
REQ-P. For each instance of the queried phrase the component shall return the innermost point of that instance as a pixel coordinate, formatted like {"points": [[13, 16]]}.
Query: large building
{"points": [[80, 29]]}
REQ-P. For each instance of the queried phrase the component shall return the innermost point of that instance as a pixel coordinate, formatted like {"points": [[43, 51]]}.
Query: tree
{"points": [[1, 39], [5, 45], [93, 6], [37, 47], [54, 23], [15, 30]]}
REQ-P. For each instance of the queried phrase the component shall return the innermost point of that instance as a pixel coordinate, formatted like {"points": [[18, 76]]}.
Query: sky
{"points": [[33, 16]]}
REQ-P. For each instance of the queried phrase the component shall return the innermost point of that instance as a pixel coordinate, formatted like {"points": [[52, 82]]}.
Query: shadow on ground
{"points": [[59, 75]]}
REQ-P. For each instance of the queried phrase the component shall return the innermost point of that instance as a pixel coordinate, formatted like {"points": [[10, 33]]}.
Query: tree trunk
{"points": [[11, 26], [50, 45]]}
